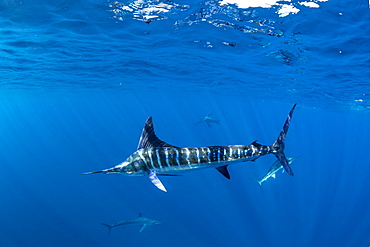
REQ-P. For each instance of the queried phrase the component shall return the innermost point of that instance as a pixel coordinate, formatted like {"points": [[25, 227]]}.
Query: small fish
{"points": [[208, 120], [155, 157], [138, 221], [273, 170]]}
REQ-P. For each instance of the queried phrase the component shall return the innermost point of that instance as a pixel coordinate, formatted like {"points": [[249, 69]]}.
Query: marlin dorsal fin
{"points": [[148, 139]]}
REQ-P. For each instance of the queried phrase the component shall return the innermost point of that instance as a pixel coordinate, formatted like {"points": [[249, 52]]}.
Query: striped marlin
{"points": [[155, 157], [141, 220], [273, 170], [208, 120]]}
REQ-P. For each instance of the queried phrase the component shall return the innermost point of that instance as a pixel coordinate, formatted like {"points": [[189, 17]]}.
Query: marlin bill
{"points": [[141, 220], [155, 157], [276, 166]]}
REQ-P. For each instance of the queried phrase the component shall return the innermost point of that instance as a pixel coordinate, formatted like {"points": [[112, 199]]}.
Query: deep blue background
{"points": [[77, 86]]}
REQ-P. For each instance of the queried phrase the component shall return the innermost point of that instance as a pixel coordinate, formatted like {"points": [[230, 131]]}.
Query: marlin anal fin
{"points": [[279, 144], [223, 170], [155, 180], [142, 229], [148, 139]]}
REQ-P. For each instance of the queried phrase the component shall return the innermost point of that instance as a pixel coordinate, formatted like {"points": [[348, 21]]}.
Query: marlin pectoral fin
{"points": [[155, 180], [223, 170], [142, 229], [273, 175]]}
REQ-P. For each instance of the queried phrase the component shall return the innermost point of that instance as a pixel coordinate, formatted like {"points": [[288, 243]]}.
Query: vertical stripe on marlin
{"points": [[214, 154], [209, 154], [203, 155], [224, 157], [218, 153], [234, 153], [163, 157], [183, 156], [230, 154], [177, 156], [158, 158], [188, 155], [249, 152], [146, 164], [150, 155], [147, 160], [171, 157], [154, 159], [193, 156], [241, 152], [260, 150], [222, 153], [253, 150]]}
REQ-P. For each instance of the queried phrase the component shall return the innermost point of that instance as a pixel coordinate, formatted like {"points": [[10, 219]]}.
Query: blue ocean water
{"points": [[79, 79]]}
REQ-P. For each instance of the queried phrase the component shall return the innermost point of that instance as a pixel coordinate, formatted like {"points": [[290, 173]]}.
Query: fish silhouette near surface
{"points": [[208, 120], [155, 157]]}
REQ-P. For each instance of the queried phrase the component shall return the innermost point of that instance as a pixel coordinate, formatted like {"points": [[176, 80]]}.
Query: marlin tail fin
{"points": [[109, 228], [259, 182], [279, 144]]}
